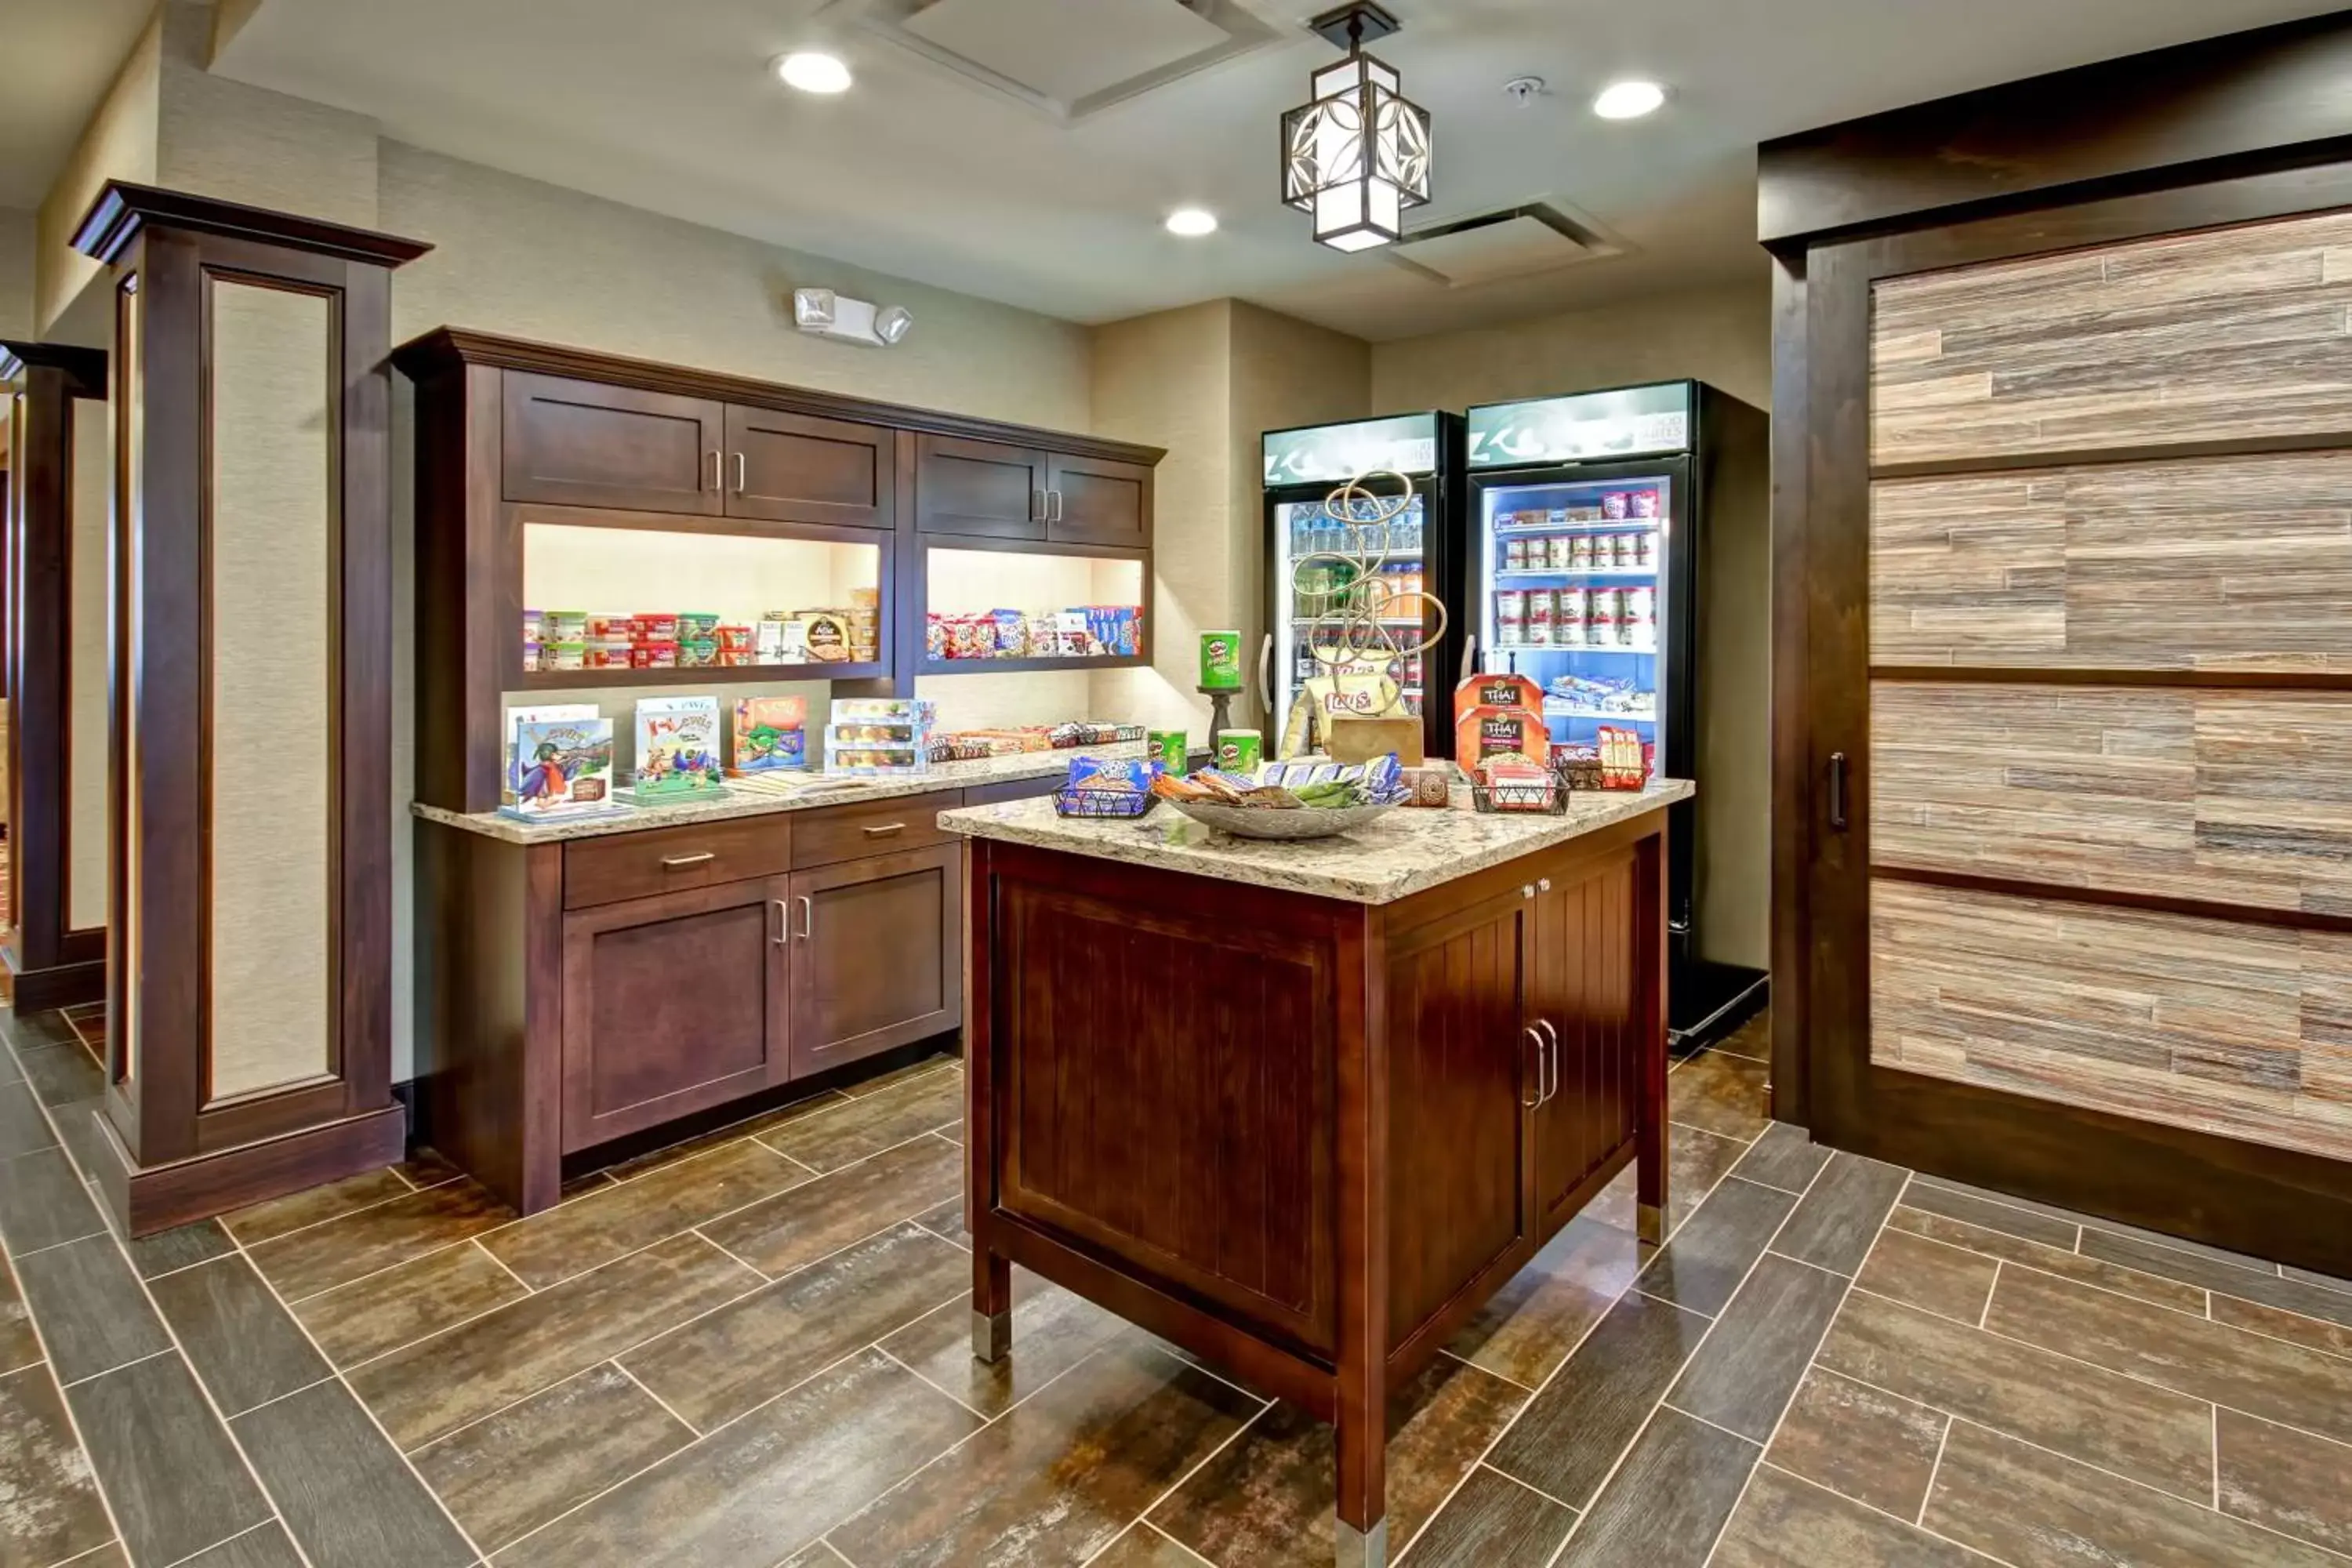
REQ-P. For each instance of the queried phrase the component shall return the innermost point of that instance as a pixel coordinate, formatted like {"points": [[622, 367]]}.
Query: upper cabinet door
{"points": [[978, 488], [580, 443], [788, 467], [1092, 500]]}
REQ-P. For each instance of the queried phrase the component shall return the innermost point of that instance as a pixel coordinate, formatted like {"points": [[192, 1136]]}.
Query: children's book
{"points": [[516, 718], [678, 747], [770, 735], [563, 767]]}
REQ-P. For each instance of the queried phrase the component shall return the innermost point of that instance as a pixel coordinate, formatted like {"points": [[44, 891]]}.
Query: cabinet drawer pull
{"points": [[673, 862], [783, 922], [886, 830], [1053, 505], [1552, 1057], [1525, 1102], [741, 481], [715, 461], [808, 917]]}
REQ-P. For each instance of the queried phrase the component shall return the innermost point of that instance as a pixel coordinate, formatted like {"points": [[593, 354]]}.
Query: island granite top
{"points": [[1399, 853], [827, 790]]}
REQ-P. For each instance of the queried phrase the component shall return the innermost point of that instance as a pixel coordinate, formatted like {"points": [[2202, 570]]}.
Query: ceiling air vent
{"points": [[1511, 242], [1067, 58]]}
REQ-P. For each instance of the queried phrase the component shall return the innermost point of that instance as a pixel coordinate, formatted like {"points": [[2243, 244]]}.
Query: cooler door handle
{"points": [[1837, 791]]}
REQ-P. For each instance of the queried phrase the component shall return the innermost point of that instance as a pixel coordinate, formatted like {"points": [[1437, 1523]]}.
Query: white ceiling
{"points": [[59, 58], [917, 171]]}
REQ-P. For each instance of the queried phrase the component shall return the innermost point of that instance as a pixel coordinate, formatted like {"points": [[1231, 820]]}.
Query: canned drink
{"points": [[1580, 554], [1569, 625], [1642, 616], [1240, 750], [1541, 603], [1510, 616], [1602, 620], [1168, 748]]}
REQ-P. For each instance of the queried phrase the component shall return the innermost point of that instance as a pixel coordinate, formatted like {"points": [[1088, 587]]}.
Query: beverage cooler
{"points": [[1588, 526], [1416, 555]]}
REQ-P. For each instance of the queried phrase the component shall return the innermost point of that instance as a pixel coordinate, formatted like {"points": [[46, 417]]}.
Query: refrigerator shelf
{"points": [[1513, 574], [1575, 648], [1597, 525], [1554, 710]]}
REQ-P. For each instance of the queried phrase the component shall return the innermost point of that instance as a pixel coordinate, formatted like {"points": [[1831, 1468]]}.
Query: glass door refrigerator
{"points": [[1588, 521], [1417, 553]]}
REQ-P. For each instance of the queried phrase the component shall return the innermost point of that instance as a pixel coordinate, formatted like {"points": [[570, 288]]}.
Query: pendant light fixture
{"points": [[1357, 155]]}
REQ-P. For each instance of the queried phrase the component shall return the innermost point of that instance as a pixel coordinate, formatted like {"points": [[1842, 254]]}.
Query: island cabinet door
{"points": [[673, 1005], [1461, 1068], [878, 962], [1583, 1003]]}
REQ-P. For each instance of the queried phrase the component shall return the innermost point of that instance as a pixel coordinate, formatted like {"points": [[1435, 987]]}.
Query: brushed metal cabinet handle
{"points": [[783, 921], [1528, 891], [808, 917], [715, 459], [1053, 498], [1036, 506], [1551, 1055], [672, 862], [1837, 791], [741, 480], [1525, 1103], [886, 830], [1543, 884]]}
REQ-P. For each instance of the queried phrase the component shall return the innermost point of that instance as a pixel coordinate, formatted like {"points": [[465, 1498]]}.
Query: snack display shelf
{"points": [[1031, 666], [694, 675]]}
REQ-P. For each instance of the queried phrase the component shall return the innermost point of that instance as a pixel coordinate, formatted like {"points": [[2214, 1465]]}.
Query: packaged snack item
{"points": [[1511, 616], [612, 624], [657, 626], [1561, 556], [572, 655], [1616, 506], [865, 598], [900, 710], [530, 625], [1541, 604], [1624, 760], [827, 635], [1641, 625], [1126, 774], [1220, 662], [604, 653], [1581, 553], [1646, 549], [771, 734], [1515, 555], [699, 652], [735, 638], [563, 626], [530, 654], [1569, 623], [1644, 503], [1430, 786], [1602, 624], [695, 626], [1012, 633], [1240, 750], [1168, 750], [654, 656]]}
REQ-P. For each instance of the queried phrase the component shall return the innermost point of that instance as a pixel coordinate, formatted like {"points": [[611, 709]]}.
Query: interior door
{"points": [[880, 961], [980, 488], [1094, 501], [672, 1005], [2080, 893], [581, 443], [791, 468]]}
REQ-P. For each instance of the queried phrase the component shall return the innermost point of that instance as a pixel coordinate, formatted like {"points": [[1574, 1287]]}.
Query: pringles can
{"points": [[1220, 662], [1168, 748], [1240, 750]]}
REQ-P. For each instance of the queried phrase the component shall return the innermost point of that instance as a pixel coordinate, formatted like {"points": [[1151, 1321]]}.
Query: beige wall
{"points": [[17, 248], [1722, 335], [118, 145]]}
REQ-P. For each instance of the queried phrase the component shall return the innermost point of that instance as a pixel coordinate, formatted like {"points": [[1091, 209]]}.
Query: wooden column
{"points": [[54, 653], [248, 1035]]}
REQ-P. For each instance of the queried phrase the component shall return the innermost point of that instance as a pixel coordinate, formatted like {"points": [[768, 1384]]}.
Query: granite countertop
{"points": [[836, 790], [1399, 853]]}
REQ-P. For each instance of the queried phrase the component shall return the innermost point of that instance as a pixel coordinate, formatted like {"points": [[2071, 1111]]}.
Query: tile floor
{"points": [[751, 1350]]}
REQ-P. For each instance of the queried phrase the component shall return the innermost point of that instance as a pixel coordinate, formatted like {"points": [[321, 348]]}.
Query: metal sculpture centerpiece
{"points": [[1359, 620]]}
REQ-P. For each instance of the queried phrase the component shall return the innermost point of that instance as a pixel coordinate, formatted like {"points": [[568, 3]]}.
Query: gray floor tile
{"points": [[342, 1488], [89, 1308], [242, 1344], [171, 1473]]}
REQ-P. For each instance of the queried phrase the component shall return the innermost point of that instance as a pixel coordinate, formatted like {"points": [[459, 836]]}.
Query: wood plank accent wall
{"points": [[2212, 563], [2243, 1030], [2110, 776], [2224, 334]]}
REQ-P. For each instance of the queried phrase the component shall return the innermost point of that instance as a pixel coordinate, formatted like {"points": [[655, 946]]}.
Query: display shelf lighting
{"points": [[1356, 156]]}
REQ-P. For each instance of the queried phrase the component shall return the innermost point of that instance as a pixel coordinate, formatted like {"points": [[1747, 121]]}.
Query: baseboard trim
{"points": [[145, 1199]]}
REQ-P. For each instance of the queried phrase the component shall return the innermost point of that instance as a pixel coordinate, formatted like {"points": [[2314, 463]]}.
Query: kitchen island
{"points": [[1302, 1108]]}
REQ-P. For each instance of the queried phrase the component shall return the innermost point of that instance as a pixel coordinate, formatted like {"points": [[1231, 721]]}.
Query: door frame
{"points": [[2277, 1201]]}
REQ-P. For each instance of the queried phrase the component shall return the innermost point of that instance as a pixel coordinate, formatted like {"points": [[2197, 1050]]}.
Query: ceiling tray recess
{"points": [[1065, 58]]}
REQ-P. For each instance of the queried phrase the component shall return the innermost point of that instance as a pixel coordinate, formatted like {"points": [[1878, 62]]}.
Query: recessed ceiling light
{"points": [[1627, 99], [813, 71], [1191, 222]]}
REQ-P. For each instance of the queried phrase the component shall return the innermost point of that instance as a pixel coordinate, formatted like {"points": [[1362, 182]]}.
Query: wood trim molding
{"points": [[434, 353], [2092, 457], [2241, 103], [122, 210], [2073, 675], [2115, 898]]}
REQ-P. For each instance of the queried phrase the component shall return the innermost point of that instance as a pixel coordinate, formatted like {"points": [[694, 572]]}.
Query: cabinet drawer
{"points": [[875, 827], [674, 859]]}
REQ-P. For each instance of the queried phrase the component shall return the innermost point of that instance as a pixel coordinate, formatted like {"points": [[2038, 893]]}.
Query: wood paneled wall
{"points": [[2111, 701], [2221, 335]]}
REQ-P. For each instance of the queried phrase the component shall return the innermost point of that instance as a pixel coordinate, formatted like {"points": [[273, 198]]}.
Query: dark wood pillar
{"points": [[248, 1035], [55, 953]]}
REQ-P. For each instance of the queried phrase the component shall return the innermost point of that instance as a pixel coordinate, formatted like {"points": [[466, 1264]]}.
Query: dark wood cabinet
{"points": [[1582, 1020], [672, 1005], [792, 467], [878, 965], [1464, 1066], [1092, 500], [980, 487], [582, 443]]}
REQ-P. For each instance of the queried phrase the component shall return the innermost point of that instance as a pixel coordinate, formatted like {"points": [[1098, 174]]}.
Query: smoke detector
{"points": [[1523, 91]]}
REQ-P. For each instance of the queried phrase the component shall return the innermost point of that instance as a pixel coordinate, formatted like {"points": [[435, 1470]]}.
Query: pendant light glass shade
{"points": [[1358, 156]]}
